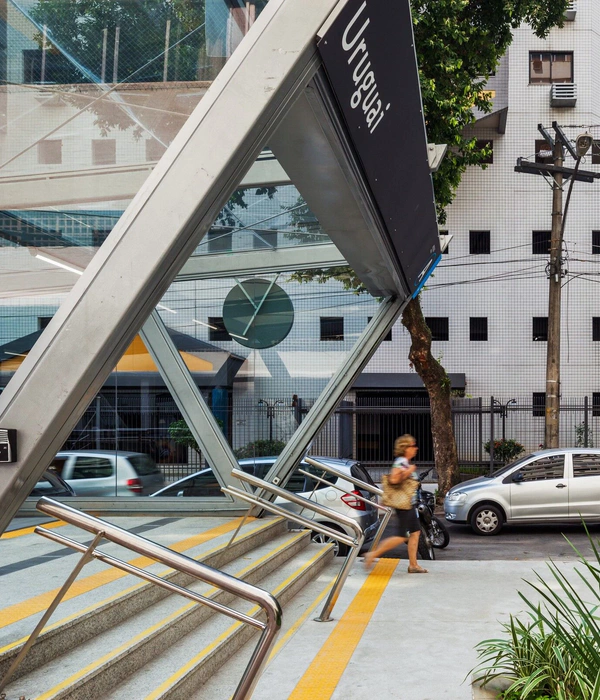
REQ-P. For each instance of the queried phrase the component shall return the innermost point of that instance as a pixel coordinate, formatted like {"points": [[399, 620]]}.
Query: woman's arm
{"points": [[399, 474]]}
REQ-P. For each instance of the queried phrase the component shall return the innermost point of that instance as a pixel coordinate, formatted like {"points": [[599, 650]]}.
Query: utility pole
{"points": [[555, 275], [555, 269]]}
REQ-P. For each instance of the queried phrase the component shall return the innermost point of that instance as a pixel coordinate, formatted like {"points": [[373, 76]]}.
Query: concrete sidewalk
{"points": [[419, 637]]}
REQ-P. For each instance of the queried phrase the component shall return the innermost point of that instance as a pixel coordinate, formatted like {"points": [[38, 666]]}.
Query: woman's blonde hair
{"points": [[402, 443]]}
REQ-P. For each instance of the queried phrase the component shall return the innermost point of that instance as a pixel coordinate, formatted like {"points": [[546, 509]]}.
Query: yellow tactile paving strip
{"points": [[40, 603], [324, 673]]}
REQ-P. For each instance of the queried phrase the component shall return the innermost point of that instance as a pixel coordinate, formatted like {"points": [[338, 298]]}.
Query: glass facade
{"points": [[93, 96]]}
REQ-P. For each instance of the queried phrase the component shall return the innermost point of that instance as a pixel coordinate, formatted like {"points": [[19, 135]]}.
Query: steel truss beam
{"points": [[338, 386], [191, 404]]}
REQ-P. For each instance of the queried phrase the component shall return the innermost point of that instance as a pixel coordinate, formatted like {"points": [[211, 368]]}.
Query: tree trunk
{"points": [[437, 383]]}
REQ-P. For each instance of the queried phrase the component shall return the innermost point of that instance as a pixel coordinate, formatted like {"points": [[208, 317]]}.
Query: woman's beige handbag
{"points": [[399, 495]]}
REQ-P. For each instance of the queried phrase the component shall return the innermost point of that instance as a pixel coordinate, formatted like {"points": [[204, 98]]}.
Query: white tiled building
{"points": [[491, 285]]}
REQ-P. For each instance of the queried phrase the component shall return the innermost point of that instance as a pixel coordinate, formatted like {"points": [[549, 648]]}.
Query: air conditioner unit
{"points": [[563, 95], [571, 11]]}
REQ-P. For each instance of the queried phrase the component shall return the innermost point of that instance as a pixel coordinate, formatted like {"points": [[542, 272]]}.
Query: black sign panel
{"points": [[369, 57]]}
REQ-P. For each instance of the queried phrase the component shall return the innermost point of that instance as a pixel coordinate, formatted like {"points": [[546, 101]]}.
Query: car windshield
{"points": [[508, 467], [144, 464]]}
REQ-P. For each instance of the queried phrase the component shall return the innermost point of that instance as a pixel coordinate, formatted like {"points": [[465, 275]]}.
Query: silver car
{"points": [[557, 485], [108, 472], [205, 484]]}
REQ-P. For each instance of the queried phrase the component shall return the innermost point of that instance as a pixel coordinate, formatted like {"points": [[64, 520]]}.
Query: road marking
{"points": [[324, 673]]}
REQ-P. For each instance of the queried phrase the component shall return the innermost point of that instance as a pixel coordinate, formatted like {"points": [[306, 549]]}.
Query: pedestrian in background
{"points": [[409, 530]]}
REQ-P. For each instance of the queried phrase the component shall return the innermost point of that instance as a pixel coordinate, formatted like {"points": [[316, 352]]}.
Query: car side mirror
{"points": [[518, 477]]}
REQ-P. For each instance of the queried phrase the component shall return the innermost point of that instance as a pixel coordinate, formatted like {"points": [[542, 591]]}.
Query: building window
{"points": [[154, 150], [50, 152], [540, 242], [596, 403], [479, 242], [540, 328], [539, 403], [438, 325], [388, 337], [332, 327], [218, 330], [43, 321], [595, 242], [543, 152], [596, 328], [480, 144], [104, 151], [547, 67], [478, 328], [219, 240], [596, 153]]}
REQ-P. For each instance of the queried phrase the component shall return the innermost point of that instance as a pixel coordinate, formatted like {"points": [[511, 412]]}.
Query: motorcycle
{"points": [[433, 531]]}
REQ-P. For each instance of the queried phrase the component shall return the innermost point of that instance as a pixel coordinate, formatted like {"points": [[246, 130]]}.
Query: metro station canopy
{"points": [[321, 83]]}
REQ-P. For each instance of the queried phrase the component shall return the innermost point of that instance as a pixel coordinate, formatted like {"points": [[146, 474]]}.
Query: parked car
{"points": [[108, 473], [555, 485], [205, 484], [51, 484]]}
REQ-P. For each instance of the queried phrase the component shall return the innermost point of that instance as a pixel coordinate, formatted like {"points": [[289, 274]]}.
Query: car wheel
{"points": [[486, 520], [339, 549]]}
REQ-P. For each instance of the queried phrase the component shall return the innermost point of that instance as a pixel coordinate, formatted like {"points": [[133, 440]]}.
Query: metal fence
{"points": [[361, 428]]}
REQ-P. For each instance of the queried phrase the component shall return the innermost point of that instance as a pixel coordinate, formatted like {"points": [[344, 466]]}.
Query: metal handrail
{"points": [[350, 523], [387, 510], [104, 530], [357, 482]]}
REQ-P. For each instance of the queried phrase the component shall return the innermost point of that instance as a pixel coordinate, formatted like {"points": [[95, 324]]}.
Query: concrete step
{"points": [[189, 664], [152, 625], [95, 612]]}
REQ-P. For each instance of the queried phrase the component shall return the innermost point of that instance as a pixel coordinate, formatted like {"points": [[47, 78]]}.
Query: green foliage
{"points": [[505, 450], [260, 448], [76, 30], [555, 653], [580, 435], [180, 433]]}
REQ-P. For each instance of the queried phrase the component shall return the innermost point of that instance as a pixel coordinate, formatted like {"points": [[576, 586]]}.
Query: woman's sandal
{"points": [[417, 570]]}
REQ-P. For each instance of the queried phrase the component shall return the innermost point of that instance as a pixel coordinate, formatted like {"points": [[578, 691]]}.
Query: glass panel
{"points": [[89, 107], [546, 468], [586, 465]]}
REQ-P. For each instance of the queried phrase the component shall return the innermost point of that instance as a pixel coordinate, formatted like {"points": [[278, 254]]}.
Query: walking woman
{"points": [[405, 450]]}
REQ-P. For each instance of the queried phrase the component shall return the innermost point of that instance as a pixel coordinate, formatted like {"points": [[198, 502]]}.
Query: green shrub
{"points": [[555, 653], [505, 450], [260, 448], [180, 433]]}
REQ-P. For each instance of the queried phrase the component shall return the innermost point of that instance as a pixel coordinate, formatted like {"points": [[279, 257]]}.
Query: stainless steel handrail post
{"points": [[363, 485], [355, 546], [180, 562], [87, 557], [387, 511]]}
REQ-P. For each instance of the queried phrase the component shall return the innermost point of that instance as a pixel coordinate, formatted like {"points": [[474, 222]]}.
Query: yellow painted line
{"points": [[254, 610], [29, 530], [20, 611], [131, 643], [324, 673], [299, 622]]}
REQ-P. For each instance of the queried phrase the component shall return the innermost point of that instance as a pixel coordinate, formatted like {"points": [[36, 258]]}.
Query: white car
{"points": [[108, 473], [204, 484]]}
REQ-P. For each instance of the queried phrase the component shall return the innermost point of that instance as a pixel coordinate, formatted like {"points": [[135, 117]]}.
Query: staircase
{"points": [[128, 640]]}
